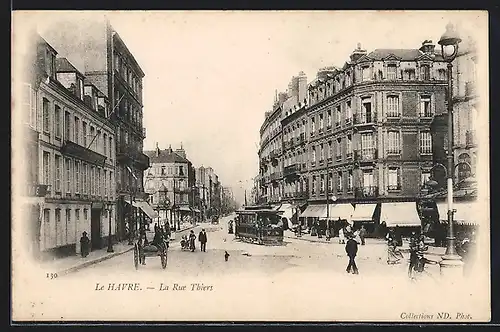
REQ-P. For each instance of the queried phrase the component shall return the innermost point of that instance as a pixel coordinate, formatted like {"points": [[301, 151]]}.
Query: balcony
{"points": [[366, 155], [275, 176], [364, 119], [301, 139], [72, 149], [348, 121], [130, 154], [291, 170], [300, 195], [470, 89], [470, 138], [366, 192]]}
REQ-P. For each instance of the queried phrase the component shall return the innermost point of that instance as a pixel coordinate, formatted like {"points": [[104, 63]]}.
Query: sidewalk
{"points": [[63, 266]]}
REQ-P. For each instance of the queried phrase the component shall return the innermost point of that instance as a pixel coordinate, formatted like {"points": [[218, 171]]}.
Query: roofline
{"points": [[114, 33]]}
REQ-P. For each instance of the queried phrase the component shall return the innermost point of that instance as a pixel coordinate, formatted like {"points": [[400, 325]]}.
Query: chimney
{"points": [[181, 152], [357, 53], [157, 150], [302, 86], [427, 47], [282, 97]]}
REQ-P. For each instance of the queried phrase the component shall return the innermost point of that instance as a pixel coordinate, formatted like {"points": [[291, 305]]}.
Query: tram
{"points": [[260, 226]]}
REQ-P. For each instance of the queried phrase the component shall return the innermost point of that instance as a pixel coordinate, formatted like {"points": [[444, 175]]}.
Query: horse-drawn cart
{"points": [[143, 249]]}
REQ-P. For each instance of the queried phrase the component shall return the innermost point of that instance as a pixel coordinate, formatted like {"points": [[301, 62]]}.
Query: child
{"points": [[226, 256]]}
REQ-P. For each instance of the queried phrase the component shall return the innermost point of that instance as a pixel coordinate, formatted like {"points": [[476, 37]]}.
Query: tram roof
{"points": [[255, 211]]}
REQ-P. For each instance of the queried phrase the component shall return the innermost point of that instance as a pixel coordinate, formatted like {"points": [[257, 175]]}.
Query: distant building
{"points": [[171, 170]]}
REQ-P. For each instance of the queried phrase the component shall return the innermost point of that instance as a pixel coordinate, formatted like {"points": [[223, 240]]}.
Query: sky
{"points": [[211, 76]]}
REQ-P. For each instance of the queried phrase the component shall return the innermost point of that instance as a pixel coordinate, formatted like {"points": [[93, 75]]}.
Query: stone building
{"points": [[98, 51], [73, 162]]}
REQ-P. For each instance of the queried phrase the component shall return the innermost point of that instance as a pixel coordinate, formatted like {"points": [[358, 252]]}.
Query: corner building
{"points": [[369, 131]]}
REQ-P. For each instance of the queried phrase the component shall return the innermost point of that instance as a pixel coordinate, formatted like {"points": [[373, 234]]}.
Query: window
{"points": [[366, 110], [67, 128], [332, 152], [313, 155], [29, 105], [338, 116], [77, 177], [46, 168], [393, 106], [392, 72], [313, 187], [425, 72], [111, 148], [365, 73], [349, 181], [80, 86], [425, 143], [98, 181], [92, 180], [163, 170], [393, 143], [84, 179], [425, 106], [46, 115], [330, 182], [97, 141], [329, 119], [105, 144], [348, 112], [84, 133], [394, 179], [321, 122], [442, 74], [367, 148], [77, 217], [105, 183], [339, 149], [58, 173], [313, 126], [321, 153], [322, 184], [425, 177], [77, 130], [68, 175], [91, 138], [339, 182], [58, 227], [46, 227], [110, 184], [349, 146], [367, 179], [409, 74], [57, 120]]}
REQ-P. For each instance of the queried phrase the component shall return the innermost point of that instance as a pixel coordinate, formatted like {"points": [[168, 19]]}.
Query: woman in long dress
{"points": [[394, 256], [341, 236]]}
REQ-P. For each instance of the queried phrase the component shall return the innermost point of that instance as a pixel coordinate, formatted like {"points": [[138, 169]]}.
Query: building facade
{"points": [[75, 157], [365, 134], [171, 171], [100, 53], [209, 191]]}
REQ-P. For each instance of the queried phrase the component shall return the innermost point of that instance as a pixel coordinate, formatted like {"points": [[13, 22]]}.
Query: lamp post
{"points": [[451, 263], [110, 242]]}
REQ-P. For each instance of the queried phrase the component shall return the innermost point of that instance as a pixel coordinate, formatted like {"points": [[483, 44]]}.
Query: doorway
{"points": [[95, 228]]}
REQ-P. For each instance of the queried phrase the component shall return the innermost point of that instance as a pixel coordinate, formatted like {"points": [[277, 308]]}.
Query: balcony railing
{"points": [[366, 192], [366, 155], [275, 176], [360, 119], [470, 138], [72, 149], [131, 153], [394, 187]]}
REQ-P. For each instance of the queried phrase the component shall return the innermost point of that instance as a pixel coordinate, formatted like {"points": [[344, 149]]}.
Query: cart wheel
{"points": [[164, 260], [136, 257]]}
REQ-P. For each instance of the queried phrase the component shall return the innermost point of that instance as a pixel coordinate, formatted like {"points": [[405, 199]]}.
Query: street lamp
{"points": [[451, 262], [110, 242]]}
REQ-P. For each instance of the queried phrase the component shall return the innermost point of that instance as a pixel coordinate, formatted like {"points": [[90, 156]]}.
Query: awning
{"points": [[342, 211], [402, 214], [363, 212], [184, 208], [288, 210], [314, 211], [148, 209], [195, 210], [467, 213]]}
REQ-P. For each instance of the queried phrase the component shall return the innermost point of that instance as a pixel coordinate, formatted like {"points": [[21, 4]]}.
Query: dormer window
{"points": [[391, 72], [425, 73], [365, 73], [50, 63]]}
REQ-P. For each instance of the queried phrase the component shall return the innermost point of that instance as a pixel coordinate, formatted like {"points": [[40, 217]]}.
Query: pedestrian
{"points": [[341, 236], [299, 230], [413, 254], [393, 254], [328, 234], [192, 240], [362, 234], [397, 236], [84, 245], [202, 237], [226, 256], [351, 249]]}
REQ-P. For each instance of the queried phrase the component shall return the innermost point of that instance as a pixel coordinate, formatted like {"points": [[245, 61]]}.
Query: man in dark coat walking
{"points": [[84, 245], [202, 237], [351, 249]]}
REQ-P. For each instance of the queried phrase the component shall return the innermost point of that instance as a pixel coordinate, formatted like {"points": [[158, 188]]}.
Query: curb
{"points": [[101, 259], [92, 262]]}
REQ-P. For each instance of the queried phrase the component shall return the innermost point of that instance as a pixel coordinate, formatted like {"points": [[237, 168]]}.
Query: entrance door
{"points": [[95, 229]]}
